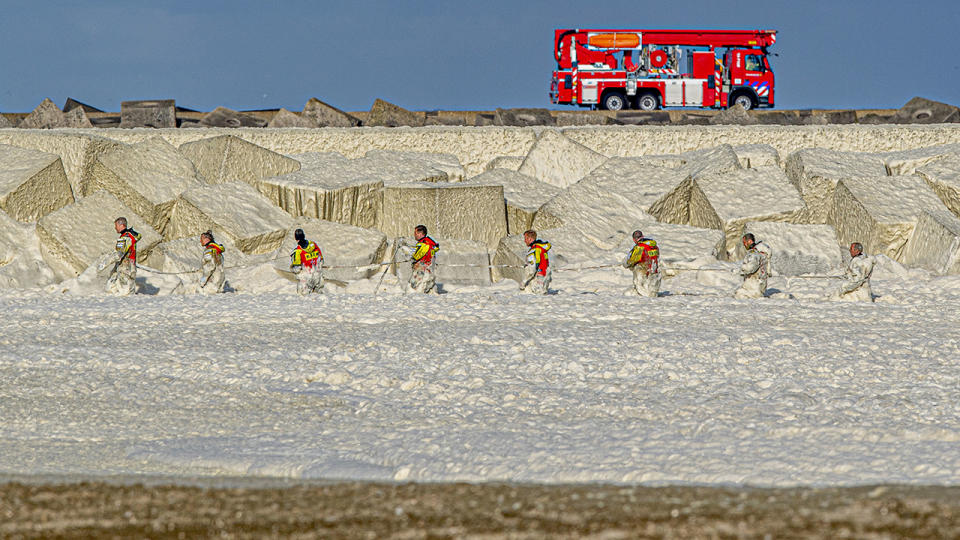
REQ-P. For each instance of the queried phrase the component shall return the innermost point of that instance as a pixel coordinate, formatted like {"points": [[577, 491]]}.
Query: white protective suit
{"points": [[755, 270], [533, 281], [423, 268], [123, 276], [856, 280], [646, 275], [307, 263], [212, 277]]}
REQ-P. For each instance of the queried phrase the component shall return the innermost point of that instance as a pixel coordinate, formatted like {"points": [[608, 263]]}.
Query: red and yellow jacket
{"points": [[538, 256], [424, 251], [215, 251], [647, 255], [127, 243], [307, 257]]}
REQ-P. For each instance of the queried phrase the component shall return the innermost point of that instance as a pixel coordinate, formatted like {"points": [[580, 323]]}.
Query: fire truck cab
{"points": [[650, 69]]}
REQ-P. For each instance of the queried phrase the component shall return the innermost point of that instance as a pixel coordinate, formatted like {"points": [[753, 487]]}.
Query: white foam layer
{"points": [[578, 386]]}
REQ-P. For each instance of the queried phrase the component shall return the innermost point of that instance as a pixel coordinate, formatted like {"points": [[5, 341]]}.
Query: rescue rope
{"points": [[393, 261]]}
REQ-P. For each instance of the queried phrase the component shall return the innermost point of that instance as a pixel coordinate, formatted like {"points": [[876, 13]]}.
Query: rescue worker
{"points": [[856, 284], [123, 275], [306, 261], [537, 273], [212, 277], [423, 256], [644, 261], [755, 268]]}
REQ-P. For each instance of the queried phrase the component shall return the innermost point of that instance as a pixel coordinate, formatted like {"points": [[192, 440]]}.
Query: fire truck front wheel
{"points": [[648, 102], [613, 101], [744, 99]]}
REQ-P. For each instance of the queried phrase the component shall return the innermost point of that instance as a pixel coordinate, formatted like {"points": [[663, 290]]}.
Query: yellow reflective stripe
{"points": [[421, 251]]}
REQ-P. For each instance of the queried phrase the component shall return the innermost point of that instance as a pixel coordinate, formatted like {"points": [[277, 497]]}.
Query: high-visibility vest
{"points": [[307, 256], [539, 257], [647, 255], [425, 250], [132, 236], [215, 251]]}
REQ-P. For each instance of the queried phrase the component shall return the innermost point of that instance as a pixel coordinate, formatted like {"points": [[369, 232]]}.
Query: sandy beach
{"points": [[372, 510]]}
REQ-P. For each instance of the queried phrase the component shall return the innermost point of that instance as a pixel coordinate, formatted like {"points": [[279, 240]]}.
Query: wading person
{"points": [[537, 273], [306, 261], [856, 280], [212, 277], [423, 257], [123, 276], [644, 261], [755, 268]]}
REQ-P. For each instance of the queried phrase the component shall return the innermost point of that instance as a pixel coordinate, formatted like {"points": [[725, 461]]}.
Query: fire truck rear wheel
{"points": [[647, 102], [743, 99], [614, 101]]}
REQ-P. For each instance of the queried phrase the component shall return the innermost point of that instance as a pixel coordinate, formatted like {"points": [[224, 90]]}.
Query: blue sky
{"points": [[247, 54]]}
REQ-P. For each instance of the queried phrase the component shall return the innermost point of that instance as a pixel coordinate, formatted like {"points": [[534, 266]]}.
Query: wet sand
{"points": [[38, 509]]}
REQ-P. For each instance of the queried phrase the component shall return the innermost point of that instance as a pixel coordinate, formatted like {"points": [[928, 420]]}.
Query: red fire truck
{"points": [[650, 69]]}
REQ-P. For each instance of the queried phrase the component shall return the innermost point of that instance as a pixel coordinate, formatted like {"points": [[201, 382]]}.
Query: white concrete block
{"points": [[77, 118], [508, 259], [512, 163], [288, 119], [728, 201], [943, 176], [45, 116], [559, 161], [798, 249], [599, 216], [716, 160], [32, 183], [460, 262], [908, 161], [447, 163], [75, 236], [634, 181], [449, 210], [77, 150], [816, 171], [396, 168], [348, 251], [235, 211], [524, 195], [881, 212], [330, 187], [669, 161], [753, 156], [674, 205], [21, 264], [148, 177], [227, 158], [935, 243]]}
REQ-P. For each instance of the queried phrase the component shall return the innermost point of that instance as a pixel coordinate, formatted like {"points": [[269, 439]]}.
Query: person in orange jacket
{"points": [[424, 261], [306, 261], [644, 261], [212, 277], [123, 276], [537, 272]]}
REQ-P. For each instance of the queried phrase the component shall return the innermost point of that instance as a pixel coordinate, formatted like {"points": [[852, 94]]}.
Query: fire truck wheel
{"points": [[743, 99], [647, 102], [614, 101]]}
